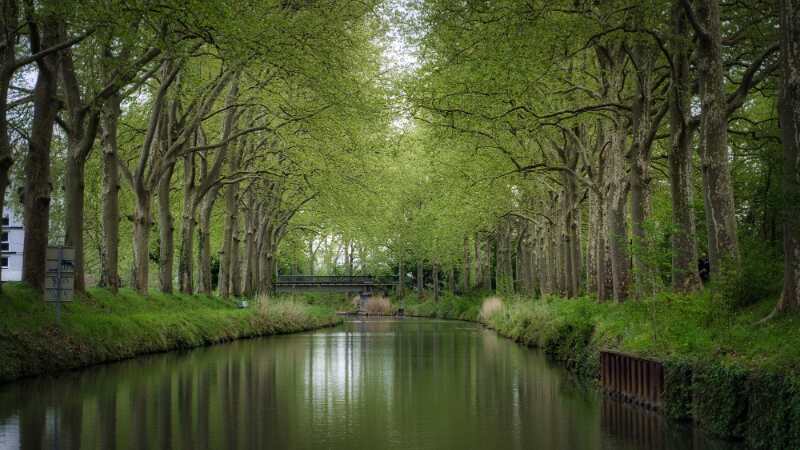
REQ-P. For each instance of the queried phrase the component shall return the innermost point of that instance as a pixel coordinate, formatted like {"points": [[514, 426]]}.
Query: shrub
{"points": [[379, 306], [773, 412], [489, 308], [720, 400], [678, 390], [759, 276]]}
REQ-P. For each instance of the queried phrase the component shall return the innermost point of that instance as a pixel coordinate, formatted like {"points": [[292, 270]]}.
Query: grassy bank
{"points": [[101, 327], [734, 377]]}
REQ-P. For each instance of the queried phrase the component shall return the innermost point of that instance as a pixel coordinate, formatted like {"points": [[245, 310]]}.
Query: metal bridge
{"points": [[362, 284]]}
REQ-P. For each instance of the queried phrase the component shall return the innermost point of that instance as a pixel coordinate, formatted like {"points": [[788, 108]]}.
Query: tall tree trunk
{"points": [[10, 30], [685, 276], [544, 274], [226, 262], [37, 164], [74, 176], [226, 273], [605, 286], [790, 118], [616, 221], [639, 162], [465, 267], [718, 188], [266, 251], [572, 267], [504, 277], [235, 278], [166, 229], [248, 273], [186, 260], [204, 241], [401, 278], [141, 242], [451, 280], [435, 277], [311, 256], [478, 262], [591, 244], [420, 278], [110, 258], [536, 269]]}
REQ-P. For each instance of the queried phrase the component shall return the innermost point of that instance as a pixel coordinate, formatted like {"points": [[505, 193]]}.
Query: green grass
{"points": [[669, 326], [449, 306], [100, 326]]}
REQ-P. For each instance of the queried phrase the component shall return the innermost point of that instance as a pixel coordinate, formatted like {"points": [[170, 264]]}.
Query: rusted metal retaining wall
{"points": [[633, 379]]}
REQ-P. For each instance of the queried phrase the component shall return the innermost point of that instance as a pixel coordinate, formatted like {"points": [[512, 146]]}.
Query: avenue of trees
{"points": [[608, 148], [621, 146], [614, 148], [172, 143]]}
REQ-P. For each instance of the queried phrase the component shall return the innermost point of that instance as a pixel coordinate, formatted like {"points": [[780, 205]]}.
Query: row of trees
{"points": [[592, 119], [219, 121], [610, 148]]}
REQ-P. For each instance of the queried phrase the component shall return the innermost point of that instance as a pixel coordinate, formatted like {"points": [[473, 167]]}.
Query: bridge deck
{"points": [[291, 283]]}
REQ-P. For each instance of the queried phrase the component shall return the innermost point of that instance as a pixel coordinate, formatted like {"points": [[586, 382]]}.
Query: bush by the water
{"points": [[380, 306], [490, 307]]}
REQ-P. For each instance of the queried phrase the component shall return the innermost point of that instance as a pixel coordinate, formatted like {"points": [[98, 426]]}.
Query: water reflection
{"points": [[409, 384]]}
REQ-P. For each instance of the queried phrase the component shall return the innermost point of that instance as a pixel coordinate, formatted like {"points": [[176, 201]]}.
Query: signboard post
{"points": [[60, 277]]}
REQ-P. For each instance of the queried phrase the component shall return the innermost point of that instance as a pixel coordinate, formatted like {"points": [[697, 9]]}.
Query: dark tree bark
{"points": [[685, 277], [251, 224], [10, 29], [420, 278], [38, 185], [616, 221], [723, 246], [639, 163], [790, 128], [204, 240], [435, 277], [504, 276], [451, 280], [229, 253], [465, 267], [110, 258], [166, 229], [401, 278], [186, 260]]}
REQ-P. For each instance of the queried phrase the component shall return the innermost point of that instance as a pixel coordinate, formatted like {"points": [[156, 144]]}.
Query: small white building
{"points": [[12, 241]]}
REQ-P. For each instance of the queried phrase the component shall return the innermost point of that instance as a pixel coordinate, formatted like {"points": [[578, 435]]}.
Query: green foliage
{"points": [[760, 276], [448, 307], [678, 395], [773, 411], [720, 399]]}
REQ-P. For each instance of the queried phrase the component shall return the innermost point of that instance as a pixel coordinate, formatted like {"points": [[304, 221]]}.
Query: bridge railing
{"points": [[334, 279]]}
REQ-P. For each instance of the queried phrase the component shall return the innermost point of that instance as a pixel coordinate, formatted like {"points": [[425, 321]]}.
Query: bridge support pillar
{"points": [[363, 299]]}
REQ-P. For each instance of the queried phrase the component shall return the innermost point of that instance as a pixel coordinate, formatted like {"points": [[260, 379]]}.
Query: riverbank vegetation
{"points": [[667, 327], [101, 326]]}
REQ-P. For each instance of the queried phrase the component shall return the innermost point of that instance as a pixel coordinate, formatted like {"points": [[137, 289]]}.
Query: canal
{"points": [[367, 384]]}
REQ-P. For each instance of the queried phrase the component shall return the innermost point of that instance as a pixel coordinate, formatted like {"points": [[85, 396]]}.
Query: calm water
{"points": [[373, 384]]}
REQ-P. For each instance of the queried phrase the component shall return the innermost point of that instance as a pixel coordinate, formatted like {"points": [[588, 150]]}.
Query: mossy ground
{"points": [[100, 327], [735, 377]]}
